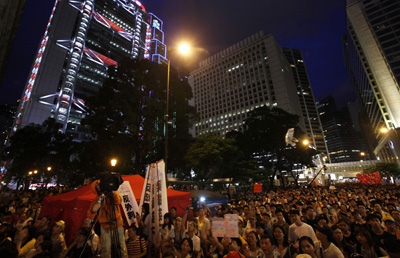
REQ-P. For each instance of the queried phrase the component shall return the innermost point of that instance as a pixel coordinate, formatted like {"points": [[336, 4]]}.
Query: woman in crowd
{"points": [[186, 248], [341, 243], [168, 231], [282, 245], [254, 245], [366, 246], [307, 246]]}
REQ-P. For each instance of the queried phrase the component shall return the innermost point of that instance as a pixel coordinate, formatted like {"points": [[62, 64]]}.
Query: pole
{"points": [[166, 124]]}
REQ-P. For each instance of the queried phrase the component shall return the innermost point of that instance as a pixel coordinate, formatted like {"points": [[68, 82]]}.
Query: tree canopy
{"points": [[128, 118]]}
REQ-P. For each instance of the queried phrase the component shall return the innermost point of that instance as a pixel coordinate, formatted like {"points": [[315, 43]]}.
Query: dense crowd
{"points": [[350, 220]]}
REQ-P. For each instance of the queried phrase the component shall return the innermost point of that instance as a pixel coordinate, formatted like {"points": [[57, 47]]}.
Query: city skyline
{"points": [[314, 28]]}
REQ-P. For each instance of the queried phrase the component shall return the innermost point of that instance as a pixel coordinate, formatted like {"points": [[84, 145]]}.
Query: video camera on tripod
{"points": [[110, 181]]}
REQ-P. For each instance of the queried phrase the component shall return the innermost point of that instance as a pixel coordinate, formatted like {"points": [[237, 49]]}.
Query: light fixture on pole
{"points": [[183, 49], [113, 162]]}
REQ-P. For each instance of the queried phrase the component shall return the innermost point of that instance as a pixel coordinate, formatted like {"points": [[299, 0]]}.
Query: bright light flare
{"points": [[306, 142], [113, 162], [384, 130], [202, 199], [184, 49]]}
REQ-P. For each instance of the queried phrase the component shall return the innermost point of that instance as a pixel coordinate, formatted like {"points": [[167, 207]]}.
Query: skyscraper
{"points": [[372, 57], [250, 74], [306, 98], [81, 40], [343, 142]]}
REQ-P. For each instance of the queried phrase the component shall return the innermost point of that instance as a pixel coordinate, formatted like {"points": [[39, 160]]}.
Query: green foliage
{"points": [[128, 117], [212, 156], [386, 169], [36, 147], [263, 141]]}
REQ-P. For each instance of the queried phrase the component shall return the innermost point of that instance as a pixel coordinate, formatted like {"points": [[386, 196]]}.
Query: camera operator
{"points": [[103, 205]]}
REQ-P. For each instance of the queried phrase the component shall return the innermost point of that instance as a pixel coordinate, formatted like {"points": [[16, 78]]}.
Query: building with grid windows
{"points": [[306, 97], [81, 40], [372, 57], [250, 74]]}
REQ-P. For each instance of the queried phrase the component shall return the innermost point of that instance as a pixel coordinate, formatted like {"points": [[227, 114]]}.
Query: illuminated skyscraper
{"points": [[306, 97], [372, 57], [250, 74], [81, 40]]}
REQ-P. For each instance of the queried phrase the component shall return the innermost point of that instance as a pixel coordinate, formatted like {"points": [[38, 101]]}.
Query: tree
{"points": [[385, 168], [264, 138], [212, 156], [128, 116], [37, 147]]}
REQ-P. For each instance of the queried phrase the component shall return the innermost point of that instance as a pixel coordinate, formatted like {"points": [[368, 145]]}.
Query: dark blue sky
{"points": [[315, 27]]}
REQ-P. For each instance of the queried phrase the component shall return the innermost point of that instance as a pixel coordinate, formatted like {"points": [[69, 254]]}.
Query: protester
{"points": [[59, 247], [77, 249], [326, 248], [136, 245]]}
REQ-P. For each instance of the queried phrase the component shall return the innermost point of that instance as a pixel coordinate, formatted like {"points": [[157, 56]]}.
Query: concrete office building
{"points": [[250, 74], [372, 57]]}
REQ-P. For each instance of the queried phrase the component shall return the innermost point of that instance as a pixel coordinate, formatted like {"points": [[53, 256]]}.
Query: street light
{"points": [[183, 49], [49, 169], [113, 162]]}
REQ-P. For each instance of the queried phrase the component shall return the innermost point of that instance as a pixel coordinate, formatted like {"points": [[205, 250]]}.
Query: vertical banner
{"points": [[155, 194], [257, 188], [129, 203]]}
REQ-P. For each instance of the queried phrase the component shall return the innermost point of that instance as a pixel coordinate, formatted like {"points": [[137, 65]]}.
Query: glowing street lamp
{"points": [[49, 169], [113, 162], [30, 173], [306, 142]]}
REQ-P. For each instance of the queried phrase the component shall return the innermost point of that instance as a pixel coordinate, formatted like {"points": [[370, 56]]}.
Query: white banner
{"points": [[225, 227], [155, 194], [129, 202]]}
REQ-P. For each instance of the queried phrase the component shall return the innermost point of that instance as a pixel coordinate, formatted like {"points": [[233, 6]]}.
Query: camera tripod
{"points": [[112, 222]]}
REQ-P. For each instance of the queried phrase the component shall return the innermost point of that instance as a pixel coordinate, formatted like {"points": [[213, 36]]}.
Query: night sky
{"points": [[315, 27]]}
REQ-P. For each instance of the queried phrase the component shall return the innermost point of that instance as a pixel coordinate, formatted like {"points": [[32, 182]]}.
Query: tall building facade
{"points": [[372, 57], [250, 74], [343, 141], [81, 40], [306, 98]]}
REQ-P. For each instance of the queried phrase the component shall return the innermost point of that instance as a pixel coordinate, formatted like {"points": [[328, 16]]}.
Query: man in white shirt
{"points": [[299, 228], [192, 228], [325, 247]]}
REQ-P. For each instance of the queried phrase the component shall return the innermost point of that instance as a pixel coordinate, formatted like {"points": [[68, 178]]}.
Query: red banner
{"points": [[258, 188], [370, 178]]}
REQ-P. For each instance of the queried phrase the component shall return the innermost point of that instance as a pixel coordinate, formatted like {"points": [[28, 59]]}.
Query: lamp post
{"points": [[183, 49]]}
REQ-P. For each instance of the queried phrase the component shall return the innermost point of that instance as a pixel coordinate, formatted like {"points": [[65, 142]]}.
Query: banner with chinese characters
{"points": [[370, 178], [155, 194], [129, 203]]}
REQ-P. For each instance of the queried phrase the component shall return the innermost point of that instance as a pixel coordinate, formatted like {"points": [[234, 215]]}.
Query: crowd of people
{"points": [[350, 220]]}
